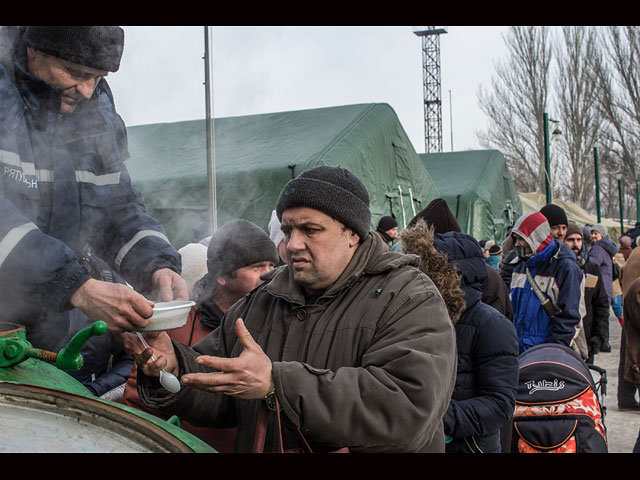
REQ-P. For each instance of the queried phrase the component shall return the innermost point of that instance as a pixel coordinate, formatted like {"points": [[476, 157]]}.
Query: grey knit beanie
{"points": [[97, 47], [238, 244], [333, 190], [601, 228]]}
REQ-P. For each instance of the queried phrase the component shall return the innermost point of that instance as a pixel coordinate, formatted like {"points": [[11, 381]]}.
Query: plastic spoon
{"points": [[167, 380]]}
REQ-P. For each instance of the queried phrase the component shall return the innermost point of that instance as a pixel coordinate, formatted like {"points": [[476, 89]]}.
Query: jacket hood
{"points": [[534, 229], [610, 246], [465, 253], [419, 240], [439, 216]]}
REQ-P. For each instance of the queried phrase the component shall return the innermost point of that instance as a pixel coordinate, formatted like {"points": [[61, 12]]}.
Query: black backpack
{"points": [[558, 409]]}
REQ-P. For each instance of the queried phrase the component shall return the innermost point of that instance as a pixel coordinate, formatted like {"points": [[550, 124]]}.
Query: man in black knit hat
{"points": [[350, 343], [596, 319], [70, 220], [388, 229], [557, 218], [238, 254]]}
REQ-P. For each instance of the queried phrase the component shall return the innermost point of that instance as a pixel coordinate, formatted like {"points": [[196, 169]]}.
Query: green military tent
{"points": [[479, 190], [257, 155]]}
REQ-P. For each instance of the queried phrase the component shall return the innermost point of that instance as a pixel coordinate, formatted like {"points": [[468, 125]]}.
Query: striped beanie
{"points": [[534, 229]]}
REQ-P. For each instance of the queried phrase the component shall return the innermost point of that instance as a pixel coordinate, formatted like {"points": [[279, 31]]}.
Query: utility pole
{"points": [[211, 144]]}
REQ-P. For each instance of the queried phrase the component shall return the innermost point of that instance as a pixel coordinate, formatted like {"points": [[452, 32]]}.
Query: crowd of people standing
{"points": [[579, 271], [322, 335]]}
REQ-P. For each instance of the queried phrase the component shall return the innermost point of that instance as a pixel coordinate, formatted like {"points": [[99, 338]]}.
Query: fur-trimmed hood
{"points": [[465, 253], [610, 247], [419, 240]]}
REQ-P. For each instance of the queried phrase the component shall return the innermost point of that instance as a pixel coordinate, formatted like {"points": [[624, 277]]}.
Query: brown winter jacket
{"points": [[631, 327], [630, 270], [370, 365], [630, 281]]}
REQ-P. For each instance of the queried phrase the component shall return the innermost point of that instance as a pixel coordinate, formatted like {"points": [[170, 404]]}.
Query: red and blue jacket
{"points": [[555, 271], [553, 268]]}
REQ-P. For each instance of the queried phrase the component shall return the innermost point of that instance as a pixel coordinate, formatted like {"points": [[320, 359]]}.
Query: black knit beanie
{"points": [[333, 190], [97, 47], [439, 216], [555, 215], [387, 223], [238, 244]]}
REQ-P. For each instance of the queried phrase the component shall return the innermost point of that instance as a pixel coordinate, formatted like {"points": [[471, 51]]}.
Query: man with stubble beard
{"points": [[349, 343], [596, 301]]}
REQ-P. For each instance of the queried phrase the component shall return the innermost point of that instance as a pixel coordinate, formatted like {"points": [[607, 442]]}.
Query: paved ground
{"points": [[622, 427]]}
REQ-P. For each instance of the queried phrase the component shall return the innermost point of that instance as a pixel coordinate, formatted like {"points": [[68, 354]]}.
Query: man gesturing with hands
{"points": [[353, 342]]}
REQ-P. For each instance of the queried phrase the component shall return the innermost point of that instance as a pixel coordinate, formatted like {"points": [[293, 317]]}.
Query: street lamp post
{"points": [[619, 178], [595, 162], [637, 201], [547, 154], [547, 159], [210, 134]]}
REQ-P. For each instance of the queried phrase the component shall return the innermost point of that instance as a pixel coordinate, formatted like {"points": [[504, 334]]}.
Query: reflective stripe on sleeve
{"points": [[12, 159], [83, 176], [43, 175], [11, 239], [136, 238]]}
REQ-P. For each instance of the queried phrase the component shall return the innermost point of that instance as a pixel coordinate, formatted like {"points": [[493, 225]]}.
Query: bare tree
{"points": [[577, 96], [617, 69], [618, 72], [517, 104]]}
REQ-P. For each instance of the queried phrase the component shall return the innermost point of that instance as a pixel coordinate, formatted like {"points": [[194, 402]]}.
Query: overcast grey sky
{"points": [[270, 69]]}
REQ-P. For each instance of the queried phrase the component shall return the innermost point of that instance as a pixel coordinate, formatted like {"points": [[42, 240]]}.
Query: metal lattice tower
{"points": [[431, 86]]}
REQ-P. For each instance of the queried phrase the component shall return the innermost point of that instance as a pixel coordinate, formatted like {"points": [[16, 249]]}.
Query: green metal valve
{"points": [[69, 358], [15, 348]]}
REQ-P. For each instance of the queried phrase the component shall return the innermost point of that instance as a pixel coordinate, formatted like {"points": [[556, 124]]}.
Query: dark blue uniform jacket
{"points": [[484, 396], [64, 185]]}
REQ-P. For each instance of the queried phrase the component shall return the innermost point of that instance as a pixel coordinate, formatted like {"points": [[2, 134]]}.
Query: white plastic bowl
{"points": [[168, 316]]}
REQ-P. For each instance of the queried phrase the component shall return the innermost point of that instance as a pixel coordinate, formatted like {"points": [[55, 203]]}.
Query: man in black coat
{"points": [[483, 400], [595, 297]]}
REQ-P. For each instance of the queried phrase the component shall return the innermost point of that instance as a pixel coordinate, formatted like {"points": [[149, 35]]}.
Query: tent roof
{"points": [[256, 155], [478, 188]]}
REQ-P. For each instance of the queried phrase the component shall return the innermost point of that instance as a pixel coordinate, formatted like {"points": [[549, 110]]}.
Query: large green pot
{"points": [[45, 410]]}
